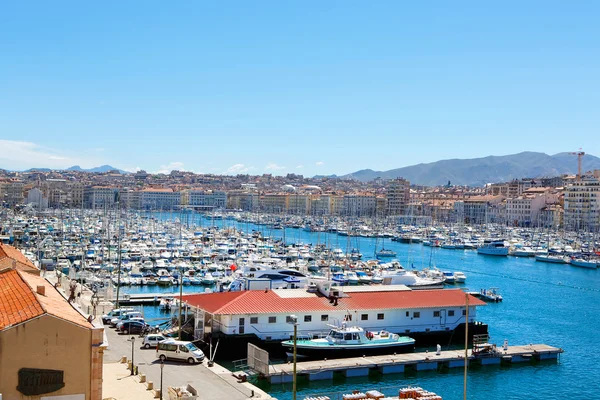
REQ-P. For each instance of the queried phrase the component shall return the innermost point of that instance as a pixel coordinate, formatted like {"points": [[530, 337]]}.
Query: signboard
{"points": [[39, 381]]}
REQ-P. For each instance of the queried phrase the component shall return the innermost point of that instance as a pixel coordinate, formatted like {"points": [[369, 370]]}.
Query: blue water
{"points": [[543, 303]]}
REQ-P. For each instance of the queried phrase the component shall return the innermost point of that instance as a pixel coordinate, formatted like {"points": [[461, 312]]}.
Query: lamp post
{"points": [[294, 320], [162, 366], [132, 340]]}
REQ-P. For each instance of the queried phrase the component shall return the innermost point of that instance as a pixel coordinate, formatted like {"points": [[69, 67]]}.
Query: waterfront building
{"points": [[582, 204], [320, 205], [299, 204], [359, 205], [525, 210], [11, 192], [159, 199], [205, 199], [398, 196], [49, 350], [96, 197], [242, 200], [273, 202], [479, 210]]}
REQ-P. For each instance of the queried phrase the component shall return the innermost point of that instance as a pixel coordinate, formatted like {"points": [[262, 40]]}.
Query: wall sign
{"points": [[39, 381]]}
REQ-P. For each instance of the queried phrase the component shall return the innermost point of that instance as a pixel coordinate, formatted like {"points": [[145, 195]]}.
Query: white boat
{"points": [[352, 278], [449, 277], [523, 252], [208, 279], [580, 262], [553, 258], [385, 253], [351, 341], [460, 277], [496, 247]]}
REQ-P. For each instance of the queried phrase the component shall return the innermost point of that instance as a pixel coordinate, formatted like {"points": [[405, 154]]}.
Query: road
{"points": [[212, 384]]}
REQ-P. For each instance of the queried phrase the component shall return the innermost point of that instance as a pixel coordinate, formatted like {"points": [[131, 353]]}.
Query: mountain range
{"points": [[480, 171], [102, 168]]}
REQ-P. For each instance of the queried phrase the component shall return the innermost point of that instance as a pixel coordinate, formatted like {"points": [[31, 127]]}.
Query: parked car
{"points": [[137, 319], [125, 317], [116, 313], [132, 327], [179, 350], [153, 340]]}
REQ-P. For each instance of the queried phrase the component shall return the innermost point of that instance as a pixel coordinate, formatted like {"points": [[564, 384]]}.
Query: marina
{"points": [[221, 243], [413, 362]]}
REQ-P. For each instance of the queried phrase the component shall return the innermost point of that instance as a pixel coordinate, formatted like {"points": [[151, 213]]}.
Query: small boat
{"points": [[165, 280], [459, 277], [385, 253], [351, 341], [553, 258], [491, 295], [580, 262], [208, 279], [449, 277]]}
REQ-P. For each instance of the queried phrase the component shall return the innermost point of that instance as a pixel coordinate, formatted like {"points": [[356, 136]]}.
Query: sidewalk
{"points": [[119, 384]]}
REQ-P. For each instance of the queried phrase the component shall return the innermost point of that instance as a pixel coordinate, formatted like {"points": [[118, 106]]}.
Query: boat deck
{"points": [[397, 363]]}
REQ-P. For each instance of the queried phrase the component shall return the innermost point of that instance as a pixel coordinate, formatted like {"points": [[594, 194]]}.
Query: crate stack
{"points": [[417, 393]]}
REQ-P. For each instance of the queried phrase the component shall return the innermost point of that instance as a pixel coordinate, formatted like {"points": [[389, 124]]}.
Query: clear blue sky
{"points": [[311, 87]]}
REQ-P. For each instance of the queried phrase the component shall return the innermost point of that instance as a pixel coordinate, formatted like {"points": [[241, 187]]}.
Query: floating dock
{"points": [[399, 363], [143, 298]]}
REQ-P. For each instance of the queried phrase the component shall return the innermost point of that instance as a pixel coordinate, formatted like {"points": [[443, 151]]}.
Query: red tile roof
{"points": [[17, 301], [11, 252], [20, 302], [258, 301]]}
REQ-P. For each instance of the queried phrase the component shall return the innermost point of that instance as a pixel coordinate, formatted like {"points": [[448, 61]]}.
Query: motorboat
{"points": [[349, 341], [583, 263], [460, 277], [493, 247], [385, 253]]}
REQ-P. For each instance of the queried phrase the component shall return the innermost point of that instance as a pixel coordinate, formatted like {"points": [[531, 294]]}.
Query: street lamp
{"points": [[162, 366], [292, 319], [132, 340]]}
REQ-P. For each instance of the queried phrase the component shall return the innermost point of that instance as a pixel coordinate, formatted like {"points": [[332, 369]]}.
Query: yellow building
{"points": [[48, 350]]}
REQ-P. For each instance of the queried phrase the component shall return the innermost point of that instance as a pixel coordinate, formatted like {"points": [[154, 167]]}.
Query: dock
{"points": [[399, 363], [143, 298]]}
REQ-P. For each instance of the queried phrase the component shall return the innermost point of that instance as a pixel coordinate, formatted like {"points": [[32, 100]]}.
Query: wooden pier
{"points": [[390, 364]]}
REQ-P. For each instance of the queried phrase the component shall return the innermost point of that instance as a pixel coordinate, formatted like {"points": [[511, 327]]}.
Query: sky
{"points": [[307, 87]]}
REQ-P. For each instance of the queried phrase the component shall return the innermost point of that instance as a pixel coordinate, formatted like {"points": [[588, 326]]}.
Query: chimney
{"points": [[41, 290]]}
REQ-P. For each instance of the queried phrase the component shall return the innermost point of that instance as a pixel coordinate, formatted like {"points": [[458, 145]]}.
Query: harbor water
{"points": [[554, 304]]}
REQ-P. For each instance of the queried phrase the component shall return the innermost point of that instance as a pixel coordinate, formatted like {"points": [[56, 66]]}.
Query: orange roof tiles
{"points": [[258, 301], [17, 302], [53, 302], [11, 252], [20, 302]]}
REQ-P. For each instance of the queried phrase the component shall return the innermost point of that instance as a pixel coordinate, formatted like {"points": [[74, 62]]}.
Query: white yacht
{"points": [[493, 247]]}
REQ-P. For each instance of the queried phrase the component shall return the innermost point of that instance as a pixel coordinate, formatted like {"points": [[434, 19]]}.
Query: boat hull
{"points": [[319, 352]]}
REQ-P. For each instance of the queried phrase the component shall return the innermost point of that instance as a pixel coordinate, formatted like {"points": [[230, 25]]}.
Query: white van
{"points": [[116, 313], [126, 316], [179, 350]]}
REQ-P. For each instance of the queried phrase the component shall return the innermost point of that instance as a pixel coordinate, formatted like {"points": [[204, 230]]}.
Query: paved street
{"points": [[217, 384]]}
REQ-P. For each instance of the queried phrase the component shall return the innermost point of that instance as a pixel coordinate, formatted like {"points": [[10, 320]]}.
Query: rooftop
{"points": [[258, 301], [20, 300]]}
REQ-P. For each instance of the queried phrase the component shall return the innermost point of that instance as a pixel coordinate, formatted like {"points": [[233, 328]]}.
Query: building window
{"points": [[436, 313], [254, 320], [272, 320], [307, 318], [380, 316], [464, 312], [364, 317], [324, 318], [407, 314], [451, 313], [417, 314]]}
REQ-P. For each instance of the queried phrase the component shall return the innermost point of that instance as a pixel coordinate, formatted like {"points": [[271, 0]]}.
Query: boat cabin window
{"points": [[364, 317], [324, 318], [336, 335], [417, 314], [307, 318], [254, 320], [348, 336], [355, 336], [380, 316], [451, 313], [272, 320]]}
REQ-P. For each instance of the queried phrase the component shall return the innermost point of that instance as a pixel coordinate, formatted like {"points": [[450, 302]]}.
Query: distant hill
{"points": [[101, 169], [479, 171]]}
